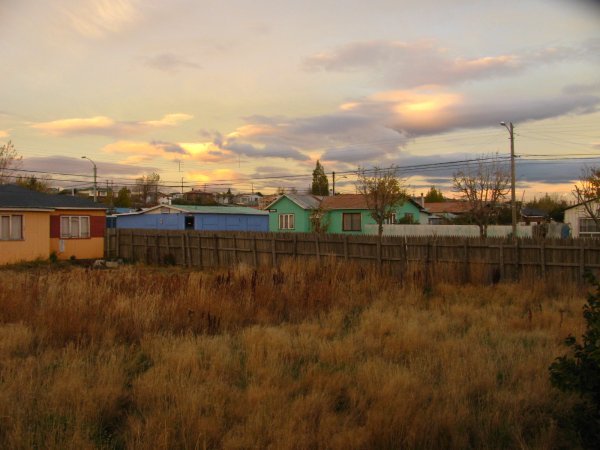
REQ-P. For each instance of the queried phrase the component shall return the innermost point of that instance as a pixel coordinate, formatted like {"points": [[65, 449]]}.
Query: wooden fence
{"points": [[441, 257]]}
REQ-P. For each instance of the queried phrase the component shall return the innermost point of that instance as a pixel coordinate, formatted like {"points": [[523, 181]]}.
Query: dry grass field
{"points": [[329, 356]]}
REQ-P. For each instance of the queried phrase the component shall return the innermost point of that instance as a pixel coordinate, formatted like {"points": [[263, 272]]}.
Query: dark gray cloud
{"points": [[438, 169], [410, 64], [170, 62], [266, 151], [169, 147], [582, 88]]}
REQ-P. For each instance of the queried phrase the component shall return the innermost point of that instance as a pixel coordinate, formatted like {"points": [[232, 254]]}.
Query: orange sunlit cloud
{"points": [[250, 130], [107, 126], [204, 151], [3, 134], [207, 176], [76, 125], [420, 108]]}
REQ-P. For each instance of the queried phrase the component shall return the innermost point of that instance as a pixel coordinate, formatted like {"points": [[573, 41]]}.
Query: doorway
{"points": [[189, 222]]}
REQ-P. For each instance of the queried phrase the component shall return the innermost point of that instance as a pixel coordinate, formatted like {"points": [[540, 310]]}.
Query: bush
{"points": [[580, 372]]}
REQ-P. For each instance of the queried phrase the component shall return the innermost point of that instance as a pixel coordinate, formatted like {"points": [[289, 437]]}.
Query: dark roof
{"points": [[303, 201], [12, 196], [533, 212]]}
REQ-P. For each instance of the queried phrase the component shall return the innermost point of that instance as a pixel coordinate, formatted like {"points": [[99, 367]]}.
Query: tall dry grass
{"points": [[307, 356]]}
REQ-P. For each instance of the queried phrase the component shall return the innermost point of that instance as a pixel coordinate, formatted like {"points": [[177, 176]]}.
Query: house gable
{"points": [[285, 206]]}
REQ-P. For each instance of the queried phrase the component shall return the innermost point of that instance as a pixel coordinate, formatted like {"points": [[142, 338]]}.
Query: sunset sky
{"points": [[249, 94]]}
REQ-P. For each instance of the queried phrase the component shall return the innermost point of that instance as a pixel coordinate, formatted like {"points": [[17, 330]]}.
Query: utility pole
{"points": [[333, 184], [95, 174], [513, 201]]}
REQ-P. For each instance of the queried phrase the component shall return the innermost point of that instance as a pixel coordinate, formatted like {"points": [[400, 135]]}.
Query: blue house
{"points": [[190, 217]]}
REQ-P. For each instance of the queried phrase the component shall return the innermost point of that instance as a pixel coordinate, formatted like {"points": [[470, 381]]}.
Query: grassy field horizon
{"points": [[324, 356]]}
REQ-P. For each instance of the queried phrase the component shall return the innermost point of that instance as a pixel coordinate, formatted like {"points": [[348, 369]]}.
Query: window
{"points": [[286, 222], [351, 222], [391, 219], [587, 226], [73, 227], [11, 228]]}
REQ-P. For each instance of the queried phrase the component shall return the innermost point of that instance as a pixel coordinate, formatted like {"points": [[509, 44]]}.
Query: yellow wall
{"points": [[36, 237], [89, 248]]}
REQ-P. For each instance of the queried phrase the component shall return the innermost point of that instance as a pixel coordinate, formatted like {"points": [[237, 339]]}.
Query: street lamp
{"points": [[95, 173], [513, 202]]}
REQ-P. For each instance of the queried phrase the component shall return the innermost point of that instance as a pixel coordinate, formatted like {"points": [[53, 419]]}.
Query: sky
{"points": [[248, 95]]}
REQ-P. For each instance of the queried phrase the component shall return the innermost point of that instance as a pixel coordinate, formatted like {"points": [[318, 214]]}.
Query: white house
{"points": [[582, 225]]}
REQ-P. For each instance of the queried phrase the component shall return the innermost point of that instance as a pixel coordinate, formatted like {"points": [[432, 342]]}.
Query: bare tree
{"points": [[383, 192], [147, 189], [483, 185], [9, 159], [587, 192]]}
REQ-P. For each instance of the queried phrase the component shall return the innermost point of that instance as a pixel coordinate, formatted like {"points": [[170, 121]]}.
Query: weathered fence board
{"points": [[440, 256]]}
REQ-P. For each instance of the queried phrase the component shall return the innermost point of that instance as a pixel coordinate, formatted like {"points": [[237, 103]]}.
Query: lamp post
{"points": [[95, 173], [513, 202]]}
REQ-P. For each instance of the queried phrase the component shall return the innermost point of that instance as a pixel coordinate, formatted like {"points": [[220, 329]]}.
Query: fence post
{"points": [[345, 246], [117, 244], [295, 246], [273, 252], [183, 250], [318, 250], [517, 259], [502, 260], [200, 256], [581, 259], [146, 249], [379, 256], [543, 258], [466, 260], [254, 255], [167, 238], [235, 255], [216, 251]]}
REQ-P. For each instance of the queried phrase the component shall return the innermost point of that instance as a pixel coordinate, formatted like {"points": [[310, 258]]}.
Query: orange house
{"points": [[34, 225]]}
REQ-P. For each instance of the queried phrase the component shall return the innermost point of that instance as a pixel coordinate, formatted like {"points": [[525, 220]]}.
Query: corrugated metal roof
{"points": [[13, 196], [303, 201]]}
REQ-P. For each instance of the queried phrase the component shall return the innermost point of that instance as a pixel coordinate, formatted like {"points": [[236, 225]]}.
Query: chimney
{"points": [[422, 201]]}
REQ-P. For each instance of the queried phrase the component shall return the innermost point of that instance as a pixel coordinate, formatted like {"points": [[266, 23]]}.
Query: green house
{"points": [[348, 213], [292, 212]]}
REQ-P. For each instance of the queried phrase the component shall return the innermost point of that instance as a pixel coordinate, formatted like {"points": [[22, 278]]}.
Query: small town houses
{"points": [[34, 225], [344, 213]]}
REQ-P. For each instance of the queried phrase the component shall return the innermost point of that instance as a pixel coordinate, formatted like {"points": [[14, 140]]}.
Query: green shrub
{"points": [[580, 372]]}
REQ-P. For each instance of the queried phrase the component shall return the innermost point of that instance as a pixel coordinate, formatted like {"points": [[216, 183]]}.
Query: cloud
{"points": [[170, 62], [430, 111], [66, 164], [105, 126], [305, 138], [4, 134], [136, 151], [582, 88], [410, 64], [139, 151]]}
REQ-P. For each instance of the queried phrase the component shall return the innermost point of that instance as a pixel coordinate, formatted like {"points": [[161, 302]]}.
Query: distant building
{"points": [[193, 217]]}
